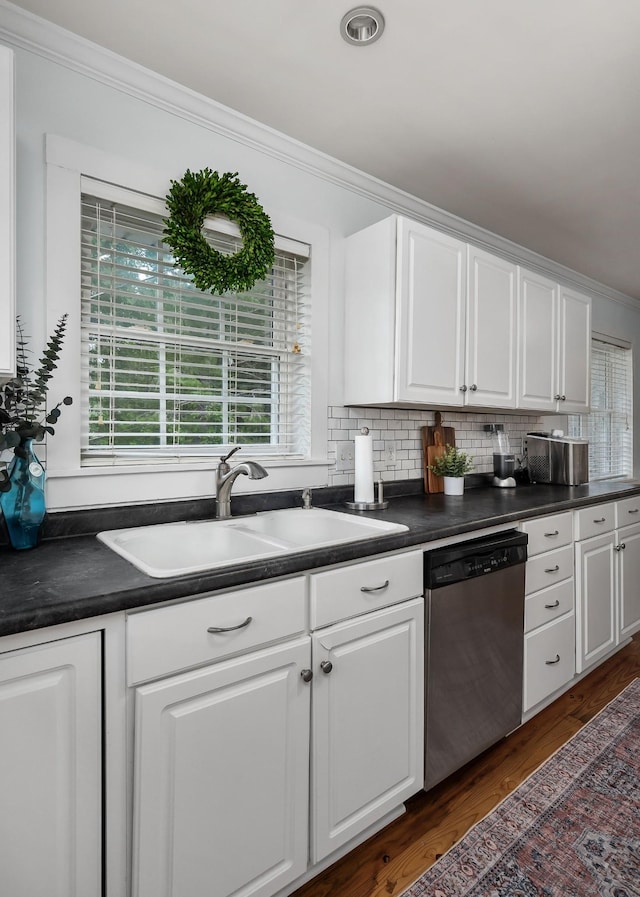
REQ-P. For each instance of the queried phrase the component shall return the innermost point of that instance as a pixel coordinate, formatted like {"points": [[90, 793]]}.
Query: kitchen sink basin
{"points": [[175, 549]]}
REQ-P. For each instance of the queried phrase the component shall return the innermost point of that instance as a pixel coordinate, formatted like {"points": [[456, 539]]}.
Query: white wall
{"points": [[109, 106]]}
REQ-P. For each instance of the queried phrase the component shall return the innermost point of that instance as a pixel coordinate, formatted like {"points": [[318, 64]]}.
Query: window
{"points": [[609, 426], [170, 371]]}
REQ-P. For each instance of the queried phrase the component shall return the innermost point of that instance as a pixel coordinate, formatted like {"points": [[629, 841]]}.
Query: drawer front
{"points": [[628, 511], [549, 659], [348, 591], [547, 533], [595, 520], [546, 605], [169, 639], [549, 568]]}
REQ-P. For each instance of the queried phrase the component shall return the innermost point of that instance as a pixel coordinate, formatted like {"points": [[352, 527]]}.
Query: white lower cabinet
{"points": [[549, 641], [367, 723], [51, 769], [607, 577], [224, 802], [221, 777], [596, 586]]}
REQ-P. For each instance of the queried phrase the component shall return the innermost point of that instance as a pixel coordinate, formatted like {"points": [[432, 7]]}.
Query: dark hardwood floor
{"points": [[390, 861]]}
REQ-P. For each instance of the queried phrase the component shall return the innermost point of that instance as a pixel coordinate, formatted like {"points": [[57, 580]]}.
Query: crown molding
{"points": [[23, 30]]}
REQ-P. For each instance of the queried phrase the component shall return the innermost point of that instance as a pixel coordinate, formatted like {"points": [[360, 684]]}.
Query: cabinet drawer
{"points": [[546, 605], [628, 511], [595, 520], [348, 591], [549, 659], [549, 568], [547, 533], [169, 639]]}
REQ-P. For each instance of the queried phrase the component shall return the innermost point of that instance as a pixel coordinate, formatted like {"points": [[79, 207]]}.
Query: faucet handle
{"points": [[235, 449]]}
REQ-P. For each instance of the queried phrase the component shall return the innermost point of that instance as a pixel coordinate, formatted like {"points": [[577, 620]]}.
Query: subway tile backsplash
{"points": [[397, 438]]}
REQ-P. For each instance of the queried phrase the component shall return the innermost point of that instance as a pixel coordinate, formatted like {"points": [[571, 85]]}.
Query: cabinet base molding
{"points": [[342, 851]]}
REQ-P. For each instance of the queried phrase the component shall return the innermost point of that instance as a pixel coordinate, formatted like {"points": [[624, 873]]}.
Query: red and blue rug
{"points": [[572, 829]]}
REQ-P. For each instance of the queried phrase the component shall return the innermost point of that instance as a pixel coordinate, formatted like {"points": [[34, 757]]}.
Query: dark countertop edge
{"points": [[145, 591]]}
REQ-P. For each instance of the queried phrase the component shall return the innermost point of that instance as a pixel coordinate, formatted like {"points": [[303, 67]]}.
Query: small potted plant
{"points": [[452, 466]]}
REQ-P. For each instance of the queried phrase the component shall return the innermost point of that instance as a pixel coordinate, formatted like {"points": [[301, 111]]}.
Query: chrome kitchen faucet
{"points": [[226, 477]]}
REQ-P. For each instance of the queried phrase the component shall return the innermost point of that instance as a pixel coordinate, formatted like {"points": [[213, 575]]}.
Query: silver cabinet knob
{"points": [[307, 675], [563, 398], [326, 666], [473, 387], [557, 397], [620, 547], [463, 389]]}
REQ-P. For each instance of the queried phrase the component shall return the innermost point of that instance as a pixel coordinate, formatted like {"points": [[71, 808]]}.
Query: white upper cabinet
{"points": [[7, 216], [574, 352], [554, 346], [491, 338], [430, 315], [424, 315]]}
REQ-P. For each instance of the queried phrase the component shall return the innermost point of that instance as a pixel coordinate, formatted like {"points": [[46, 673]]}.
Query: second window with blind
{"points": [[171, 371], [609, 426]]}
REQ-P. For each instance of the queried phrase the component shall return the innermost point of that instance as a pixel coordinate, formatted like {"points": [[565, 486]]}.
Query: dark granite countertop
{"points": [[75, 577]]}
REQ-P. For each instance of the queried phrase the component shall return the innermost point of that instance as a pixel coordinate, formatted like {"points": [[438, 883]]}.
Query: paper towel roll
{"points": [[363, 491]]}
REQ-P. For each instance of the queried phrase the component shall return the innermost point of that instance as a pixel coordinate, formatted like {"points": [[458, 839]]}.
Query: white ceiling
{"points": [[521, 116]]}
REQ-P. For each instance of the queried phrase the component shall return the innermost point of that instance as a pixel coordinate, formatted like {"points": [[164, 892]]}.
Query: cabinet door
{"points": [[491, 331], [430, 315], [574, 354], [368, 711], [7, 216], [629, 580], [595, 605], [221, 777], [50, 769], [537, 341]]}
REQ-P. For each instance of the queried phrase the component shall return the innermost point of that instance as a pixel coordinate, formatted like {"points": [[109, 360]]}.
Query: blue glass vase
{"points": [[23, 505]]}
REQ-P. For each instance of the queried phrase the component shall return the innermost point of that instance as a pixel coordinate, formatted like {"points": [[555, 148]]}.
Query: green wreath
{"points": [[204, 193]]}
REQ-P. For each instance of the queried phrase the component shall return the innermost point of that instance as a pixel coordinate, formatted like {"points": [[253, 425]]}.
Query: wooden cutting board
{"points": [[432, 437]]}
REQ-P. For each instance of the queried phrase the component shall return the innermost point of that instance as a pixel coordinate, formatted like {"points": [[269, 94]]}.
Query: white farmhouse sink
{"points": [[175, 549]]}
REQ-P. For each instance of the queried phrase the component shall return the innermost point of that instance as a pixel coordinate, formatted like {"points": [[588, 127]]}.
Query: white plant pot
{"points": [[453, 485]]}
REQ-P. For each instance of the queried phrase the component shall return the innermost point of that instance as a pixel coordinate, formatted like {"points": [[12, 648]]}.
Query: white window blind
{"points": [[609, 425], [171, 371]]}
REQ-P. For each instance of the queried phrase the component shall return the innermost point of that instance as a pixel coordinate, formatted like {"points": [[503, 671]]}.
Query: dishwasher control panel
{"points": [[477, 557]]}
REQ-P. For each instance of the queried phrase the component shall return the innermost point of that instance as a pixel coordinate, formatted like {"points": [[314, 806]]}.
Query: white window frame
{"points": [[578, 423], [69, 484]]}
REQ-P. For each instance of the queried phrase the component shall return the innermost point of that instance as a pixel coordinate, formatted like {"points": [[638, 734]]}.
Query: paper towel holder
{"points": [[378, 505]]}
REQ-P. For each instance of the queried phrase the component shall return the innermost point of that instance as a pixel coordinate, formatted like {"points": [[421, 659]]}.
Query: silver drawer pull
{"points": [[600, 520], [556, 532], [230, 628], [552, 606], [551, 662], [385, 585], [633, 511], [552, 569]]}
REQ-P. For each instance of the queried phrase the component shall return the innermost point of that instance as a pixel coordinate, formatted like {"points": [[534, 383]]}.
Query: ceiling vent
{"points": [[362, 26]]}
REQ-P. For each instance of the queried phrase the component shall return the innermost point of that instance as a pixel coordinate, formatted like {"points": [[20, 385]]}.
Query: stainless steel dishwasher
{"points": [[474, 643]]}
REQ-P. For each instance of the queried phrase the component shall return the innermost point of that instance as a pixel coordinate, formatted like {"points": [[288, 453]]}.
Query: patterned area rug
{"points": [[572, 829]]}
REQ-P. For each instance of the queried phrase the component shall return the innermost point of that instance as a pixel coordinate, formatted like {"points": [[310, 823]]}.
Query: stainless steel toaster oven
{"points": [[557, 459]]}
